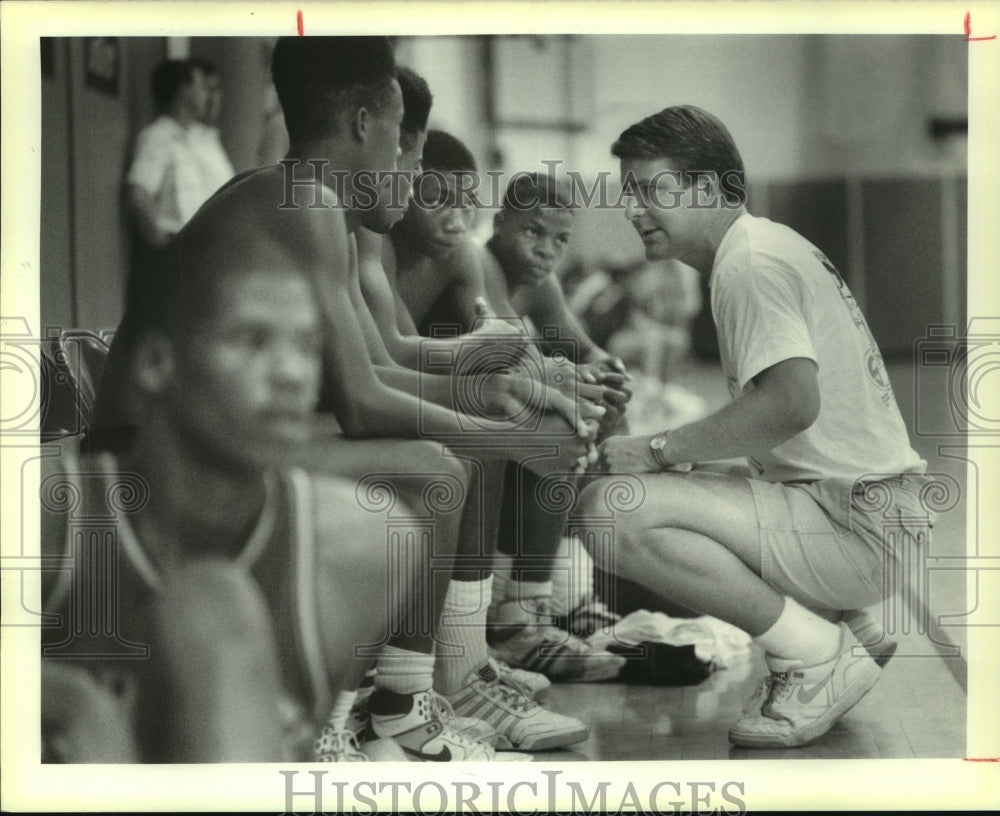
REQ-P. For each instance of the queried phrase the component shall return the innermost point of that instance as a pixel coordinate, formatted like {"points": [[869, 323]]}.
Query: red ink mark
{"points": [[298, 20], [968, 30], [984, 759]]}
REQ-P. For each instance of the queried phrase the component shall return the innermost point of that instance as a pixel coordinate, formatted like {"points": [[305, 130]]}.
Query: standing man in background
{"points": [[165, 184], [215, 165]]}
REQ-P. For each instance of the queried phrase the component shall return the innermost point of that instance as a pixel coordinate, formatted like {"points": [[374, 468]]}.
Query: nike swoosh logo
{"points": [[444, 755], [807, 696]]}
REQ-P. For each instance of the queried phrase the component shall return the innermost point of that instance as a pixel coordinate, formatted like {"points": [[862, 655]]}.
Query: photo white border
{"points": [[795, 784]]}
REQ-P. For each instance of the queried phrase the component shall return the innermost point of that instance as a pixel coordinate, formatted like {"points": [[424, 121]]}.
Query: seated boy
{"points": [[249, 583], [461, 666], [438, 273], [520, 262]]}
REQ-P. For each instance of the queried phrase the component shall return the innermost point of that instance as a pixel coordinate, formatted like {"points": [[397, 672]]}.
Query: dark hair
{"points": [[317, 78], [446, 154], [168, 78], [525, 191], [694, 140], [417, 101]]}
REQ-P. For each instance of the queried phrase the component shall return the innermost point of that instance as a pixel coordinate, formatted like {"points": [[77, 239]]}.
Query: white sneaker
{"points": [[804, 701], [523, 635], [383, 749], [418, 724], [472, 727], [519, 721], [360, 722], [536, 685], [589, 617], [756, 702], [337, 746]]}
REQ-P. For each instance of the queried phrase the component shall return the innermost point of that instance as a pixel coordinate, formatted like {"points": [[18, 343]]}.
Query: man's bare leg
{"points": [[696, 539]]}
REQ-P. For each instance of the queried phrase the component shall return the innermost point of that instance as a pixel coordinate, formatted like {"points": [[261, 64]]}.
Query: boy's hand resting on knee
{"points": [[508, 395], [574, 453]]}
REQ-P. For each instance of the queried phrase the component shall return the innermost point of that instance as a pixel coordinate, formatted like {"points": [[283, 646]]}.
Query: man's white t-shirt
{"points": [[211, 155], [775, 297], [166, 166]]}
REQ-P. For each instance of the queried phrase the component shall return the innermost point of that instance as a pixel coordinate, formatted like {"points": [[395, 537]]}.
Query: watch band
{"points": [[657, 452]]}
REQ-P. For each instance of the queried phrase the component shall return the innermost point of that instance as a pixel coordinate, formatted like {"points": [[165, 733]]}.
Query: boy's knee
{"points": [[426, 458], [591, 502], [354, 549]]}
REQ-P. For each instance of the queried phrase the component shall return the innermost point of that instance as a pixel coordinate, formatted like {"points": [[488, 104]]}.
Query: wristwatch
{"points": [[656, 446]]}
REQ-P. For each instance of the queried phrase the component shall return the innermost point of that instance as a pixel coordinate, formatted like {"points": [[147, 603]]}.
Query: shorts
{"points": [[835, 543]]}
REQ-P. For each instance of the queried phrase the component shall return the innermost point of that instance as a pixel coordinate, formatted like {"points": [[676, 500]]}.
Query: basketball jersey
{"points": [[108, 578]]}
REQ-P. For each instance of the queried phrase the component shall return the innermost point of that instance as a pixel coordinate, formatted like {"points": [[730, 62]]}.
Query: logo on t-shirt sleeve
{"points": [[874, 365]]}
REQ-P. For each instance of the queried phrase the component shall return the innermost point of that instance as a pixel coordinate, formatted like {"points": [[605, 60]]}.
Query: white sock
{"points": [[573, 576], [342, 703], [461, 633], [403, 671], [865, 626], [799, 634], [501, 577]]}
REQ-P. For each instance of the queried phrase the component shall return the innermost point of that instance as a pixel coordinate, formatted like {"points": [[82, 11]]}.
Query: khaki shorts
{"points": [[831, 543]]}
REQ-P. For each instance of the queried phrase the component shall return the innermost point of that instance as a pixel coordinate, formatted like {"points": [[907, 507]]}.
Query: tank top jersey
{"points": [[279, 554]]}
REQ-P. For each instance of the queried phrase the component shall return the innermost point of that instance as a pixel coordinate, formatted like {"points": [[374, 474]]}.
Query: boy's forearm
{"points": [[433, 388], [391, 413]]}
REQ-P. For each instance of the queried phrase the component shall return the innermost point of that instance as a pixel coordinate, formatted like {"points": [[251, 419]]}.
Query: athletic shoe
{"points": [[415, 721], [589, 616], [359, 721], [523, 636], [756, 701], [804, 701], [537, 686], [871, 635], [337, 746], [521, 723]]}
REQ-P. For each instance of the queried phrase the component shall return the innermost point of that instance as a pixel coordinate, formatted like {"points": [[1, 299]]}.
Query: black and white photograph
{"points": [[583, 407]]}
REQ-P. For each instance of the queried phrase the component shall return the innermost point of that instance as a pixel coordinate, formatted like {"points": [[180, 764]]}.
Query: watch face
{"points": [[658, 443]]}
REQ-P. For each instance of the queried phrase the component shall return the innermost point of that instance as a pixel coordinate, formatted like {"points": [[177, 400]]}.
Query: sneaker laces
{"points": [[508, 692], [443, 712], [441, 709], [343, 743], [779, 692], [540, 607], [762, 692], [506, 677]]}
